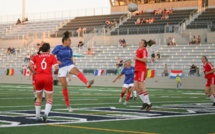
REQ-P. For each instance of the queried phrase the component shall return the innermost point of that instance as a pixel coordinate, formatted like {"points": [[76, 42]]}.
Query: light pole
{"points": [[23, 9]]}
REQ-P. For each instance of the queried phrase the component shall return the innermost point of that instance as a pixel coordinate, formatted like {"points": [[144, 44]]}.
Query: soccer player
{"points": [[43, 79], [178, 81], [128, 71], [33, 83], [210, 76], [65, 59], [140, 74]]}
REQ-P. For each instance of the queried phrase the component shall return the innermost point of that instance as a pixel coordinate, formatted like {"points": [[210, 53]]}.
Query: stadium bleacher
{"points": [[205, 20], [31, 28], [89, 22], [158, 26]]}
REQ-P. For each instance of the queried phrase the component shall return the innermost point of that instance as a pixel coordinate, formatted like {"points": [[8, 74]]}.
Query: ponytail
{"points": [[150, 42], [44, 48], [66, 36], [40, 50]]}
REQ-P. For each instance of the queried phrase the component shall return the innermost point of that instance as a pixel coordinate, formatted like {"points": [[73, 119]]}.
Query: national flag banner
{"points": [[10, 72], [26, 72], [174, 73], [98, 72], [150, 74]]}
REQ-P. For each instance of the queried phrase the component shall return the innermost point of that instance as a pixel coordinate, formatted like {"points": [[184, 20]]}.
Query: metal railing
{"points": [[56, 15]]}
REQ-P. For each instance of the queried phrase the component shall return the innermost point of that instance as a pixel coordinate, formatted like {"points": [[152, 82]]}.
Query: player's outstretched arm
{"points": [[120, 75]]}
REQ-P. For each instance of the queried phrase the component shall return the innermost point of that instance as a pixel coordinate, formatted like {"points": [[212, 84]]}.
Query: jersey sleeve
{"points": [[55, 51], [123, 71], [145, 53], [210, 65]]}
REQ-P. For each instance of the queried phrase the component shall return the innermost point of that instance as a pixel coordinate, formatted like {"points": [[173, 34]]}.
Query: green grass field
{"points": [[97, 110]]}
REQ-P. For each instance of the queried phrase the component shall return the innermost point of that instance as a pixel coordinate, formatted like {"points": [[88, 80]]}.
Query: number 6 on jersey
{"points": [[43, 64]]}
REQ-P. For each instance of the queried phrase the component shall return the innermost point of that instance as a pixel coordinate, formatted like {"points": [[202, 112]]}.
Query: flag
{"points": [[173, 73], [98, 72], [150, 74], [10, 72], [26, 72]]}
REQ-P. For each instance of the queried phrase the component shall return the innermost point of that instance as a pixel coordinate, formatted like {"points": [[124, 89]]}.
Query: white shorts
{"points": [[63, 72], [128, 85]]}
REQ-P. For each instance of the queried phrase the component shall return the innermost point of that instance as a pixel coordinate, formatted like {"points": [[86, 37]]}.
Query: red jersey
{"points": [[44, 63], [141, 53], [208, 67]]}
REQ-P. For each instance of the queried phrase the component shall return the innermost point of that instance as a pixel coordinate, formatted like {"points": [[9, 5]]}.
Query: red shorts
{"points": [[210, 81], [140, 76], [44, 82]]}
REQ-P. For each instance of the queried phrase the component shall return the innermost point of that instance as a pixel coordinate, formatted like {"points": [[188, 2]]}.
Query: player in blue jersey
{"points": [[128, 71], [65, 59]]}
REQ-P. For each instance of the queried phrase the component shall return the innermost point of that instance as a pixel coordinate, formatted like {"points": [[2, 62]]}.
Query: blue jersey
{"points": [[64, 54], [129, 75]]}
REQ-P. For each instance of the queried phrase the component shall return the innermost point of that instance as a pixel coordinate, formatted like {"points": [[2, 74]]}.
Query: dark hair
{"points": [[150, 42], [66, 36], [205, 57], [44, 48]]}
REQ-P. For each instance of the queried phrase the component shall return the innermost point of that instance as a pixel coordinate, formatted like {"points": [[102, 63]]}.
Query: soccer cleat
{"points": [[135, 98], [120, 100], [69, 109], [144, 106], [90, 83], [125, 103], [213, 104], [45, 118], [149, 106], [131, 98]]}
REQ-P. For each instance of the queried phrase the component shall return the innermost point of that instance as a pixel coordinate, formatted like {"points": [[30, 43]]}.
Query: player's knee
{"points": [[39, 99]]}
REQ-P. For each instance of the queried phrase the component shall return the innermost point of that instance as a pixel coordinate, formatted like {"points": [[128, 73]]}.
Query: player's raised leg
{"points": [[81, 76]]}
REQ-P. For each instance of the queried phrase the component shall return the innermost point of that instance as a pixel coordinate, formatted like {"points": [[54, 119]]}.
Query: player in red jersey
{"points": [[43, 78], [210, 76], [33, 82], [140, 74]]}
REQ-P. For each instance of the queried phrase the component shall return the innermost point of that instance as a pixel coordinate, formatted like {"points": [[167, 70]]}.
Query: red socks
{"points": [[122, 94], [66, 96], [128, 96], [82, 77]]}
